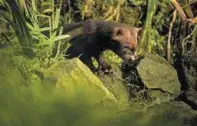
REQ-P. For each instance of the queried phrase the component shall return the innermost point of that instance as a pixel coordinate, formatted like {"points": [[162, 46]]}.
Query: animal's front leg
{"points": [[103, 66], [88, 62]]}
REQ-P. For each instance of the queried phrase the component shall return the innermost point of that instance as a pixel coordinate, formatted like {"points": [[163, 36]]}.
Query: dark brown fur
{"points": [[98, 36]]}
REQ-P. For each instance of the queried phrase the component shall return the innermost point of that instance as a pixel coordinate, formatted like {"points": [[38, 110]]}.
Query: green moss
{"points": [[75, 77]]}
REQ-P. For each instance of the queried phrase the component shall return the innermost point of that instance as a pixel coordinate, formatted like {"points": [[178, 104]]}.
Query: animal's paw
{"points": [[103, 71], [107, 69]]}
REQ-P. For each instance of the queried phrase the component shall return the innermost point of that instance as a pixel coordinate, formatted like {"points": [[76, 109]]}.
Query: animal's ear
{"points": [[118, 31], [138, 29]]}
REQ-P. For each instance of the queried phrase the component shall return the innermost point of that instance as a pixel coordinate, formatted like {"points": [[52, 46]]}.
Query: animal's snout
{"points": [[127, 45]]}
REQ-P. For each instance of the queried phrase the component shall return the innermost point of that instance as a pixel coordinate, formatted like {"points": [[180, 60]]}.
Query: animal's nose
{"points": [[127, 45], [130, 47]]}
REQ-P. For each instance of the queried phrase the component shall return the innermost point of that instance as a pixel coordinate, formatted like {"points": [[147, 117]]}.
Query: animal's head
{"points": [[128, 38]]}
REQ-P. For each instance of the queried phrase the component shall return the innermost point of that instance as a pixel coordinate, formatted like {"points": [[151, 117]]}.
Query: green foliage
{"points": [[162, 17], [145, 39], [13, 16], [112, 58], [135, 13], [137, 2], [156, 42], [36, 31], [154, 36]]}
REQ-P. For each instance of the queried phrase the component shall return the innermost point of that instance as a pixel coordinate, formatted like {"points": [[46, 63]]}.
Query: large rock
{"points": [[76, 78], [117, 87], [156, 73]]}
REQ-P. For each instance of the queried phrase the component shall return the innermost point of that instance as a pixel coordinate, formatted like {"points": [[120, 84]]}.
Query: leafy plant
{"points": [[35, 30], [13, 16]]}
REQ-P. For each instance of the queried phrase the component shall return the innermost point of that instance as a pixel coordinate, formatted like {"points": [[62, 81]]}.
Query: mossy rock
{"points": [[76, 78], [10, 73], [156, 73], [117, 87]]}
